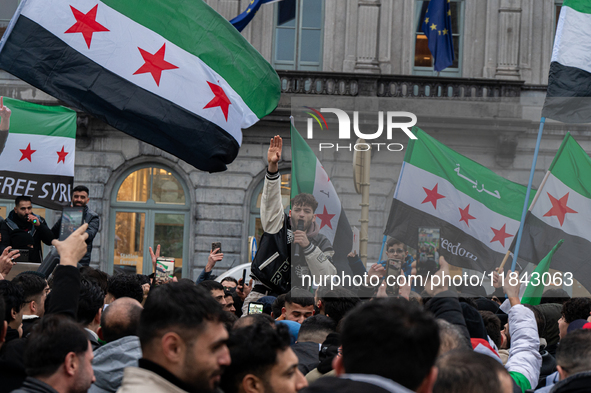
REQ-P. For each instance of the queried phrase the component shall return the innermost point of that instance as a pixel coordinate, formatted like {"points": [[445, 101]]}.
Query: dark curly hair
{"points": [[124, 285], [576, 308]]}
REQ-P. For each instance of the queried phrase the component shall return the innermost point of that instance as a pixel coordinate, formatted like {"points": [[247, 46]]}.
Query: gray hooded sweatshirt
{"points": [[110, 360]]}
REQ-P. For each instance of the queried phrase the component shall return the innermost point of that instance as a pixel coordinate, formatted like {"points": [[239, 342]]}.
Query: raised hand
{"points": [[274, 153], [4, 116]]}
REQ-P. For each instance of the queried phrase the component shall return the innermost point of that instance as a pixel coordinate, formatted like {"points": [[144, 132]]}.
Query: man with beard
{"points": [[24, 230], [80, 199], [58, 358], [183, 342]]}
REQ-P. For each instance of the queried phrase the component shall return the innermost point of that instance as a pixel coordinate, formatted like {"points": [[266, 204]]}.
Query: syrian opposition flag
{"points": [[38, 158], [308, 176], [563, 211], [173, 73], [477, 211], [568, 98]]}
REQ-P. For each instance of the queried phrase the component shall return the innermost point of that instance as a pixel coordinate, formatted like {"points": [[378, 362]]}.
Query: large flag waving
{"points": [[569, 82], [476, 210], [174, 74], [38, 158], [308, 176], [563, 211]]}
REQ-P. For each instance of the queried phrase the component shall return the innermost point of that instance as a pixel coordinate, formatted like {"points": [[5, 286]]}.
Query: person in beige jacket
{"points": [[183, 342]]}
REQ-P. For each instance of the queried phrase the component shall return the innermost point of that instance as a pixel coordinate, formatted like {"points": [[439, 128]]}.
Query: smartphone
{"points": [[393, 270], [215, 245], [72, 218], [428, 244], [164, 268], [23, 257], [243, 276], [255, 308]]}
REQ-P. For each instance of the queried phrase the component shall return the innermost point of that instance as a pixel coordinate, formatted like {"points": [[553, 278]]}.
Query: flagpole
{"points": [[531, 179], [382, 250]]}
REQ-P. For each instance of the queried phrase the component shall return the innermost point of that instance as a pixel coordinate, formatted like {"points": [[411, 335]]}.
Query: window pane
{"points": [[7, 9], [421, 15], [310, 46], [456, 40], [166, 188], [285, 190], [423, 56], [312, 13], [129, 242], [285, 44], [136, 187], [169, 233], [454, 7]]}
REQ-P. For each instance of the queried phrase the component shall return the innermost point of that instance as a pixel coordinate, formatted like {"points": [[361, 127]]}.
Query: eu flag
{"points": [[437, 27], [244, 18]]}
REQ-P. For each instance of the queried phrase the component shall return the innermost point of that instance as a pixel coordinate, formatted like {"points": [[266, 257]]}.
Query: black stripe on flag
{"points": [[568, 98], [458, 248], [36, 56], [573, 256]]}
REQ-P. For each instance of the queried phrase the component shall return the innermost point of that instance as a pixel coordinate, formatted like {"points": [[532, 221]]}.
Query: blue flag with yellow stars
{"points": [[244, 18], [437, 28]]}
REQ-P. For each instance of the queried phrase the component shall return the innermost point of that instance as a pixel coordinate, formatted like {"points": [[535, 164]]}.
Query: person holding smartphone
{"points": [[24, 230]]}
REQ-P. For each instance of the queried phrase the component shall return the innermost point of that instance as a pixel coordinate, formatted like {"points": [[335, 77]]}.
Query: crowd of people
{"points": [[83, 330]]}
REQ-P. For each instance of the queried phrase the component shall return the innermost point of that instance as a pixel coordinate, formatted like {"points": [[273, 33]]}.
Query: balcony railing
{"points": [[404, 86]]}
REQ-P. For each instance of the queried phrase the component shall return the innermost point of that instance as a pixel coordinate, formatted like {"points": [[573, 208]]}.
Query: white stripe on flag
{"points": [[44, 160], [575, 224], [410, 191], [326, 196], [572, 45], [117, 50]]}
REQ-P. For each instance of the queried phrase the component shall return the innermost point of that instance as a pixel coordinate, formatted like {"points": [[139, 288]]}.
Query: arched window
{"points": [[256, 229], [149, 206]]}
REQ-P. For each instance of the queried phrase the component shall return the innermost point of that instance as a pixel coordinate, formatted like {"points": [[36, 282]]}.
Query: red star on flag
{"points": [[432, 195], [559, 208], [154, 64], [62, 155], [27, 153], [220, 99], [500, 235], [86, 24], [466, 215], [325, 218]]}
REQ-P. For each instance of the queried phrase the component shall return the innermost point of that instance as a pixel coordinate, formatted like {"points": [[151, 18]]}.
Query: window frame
{"points": [[150, 208], [429, 71], [297, 64]]}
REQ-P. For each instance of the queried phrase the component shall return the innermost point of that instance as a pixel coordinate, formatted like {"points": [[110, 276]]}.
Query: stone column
{"points": [[509, 40], [367, 37]]}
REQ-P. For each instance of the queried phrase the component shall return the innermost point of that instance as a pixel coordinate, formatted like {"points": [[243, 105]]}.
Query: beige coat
{"points": [[139, 380]]}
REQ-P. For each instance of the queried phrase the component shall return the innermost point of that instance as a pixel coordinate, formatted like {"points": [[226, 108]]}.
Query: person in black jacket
{"points": [[62, 300], [24, 230], [80, 199]]}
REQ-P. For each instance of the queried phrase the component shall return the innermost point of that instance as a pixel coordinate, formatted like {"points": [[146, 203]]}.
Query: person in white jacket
{"points": [[524, 357]]}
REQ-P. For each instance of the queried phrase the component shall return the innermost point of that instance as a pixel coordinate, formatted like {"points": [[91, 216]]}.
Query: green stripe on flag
{"points": [[197, 28], [533, 293], [304, 161], [572, 165], [466, 175], [583, 6], [28, 118]]}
